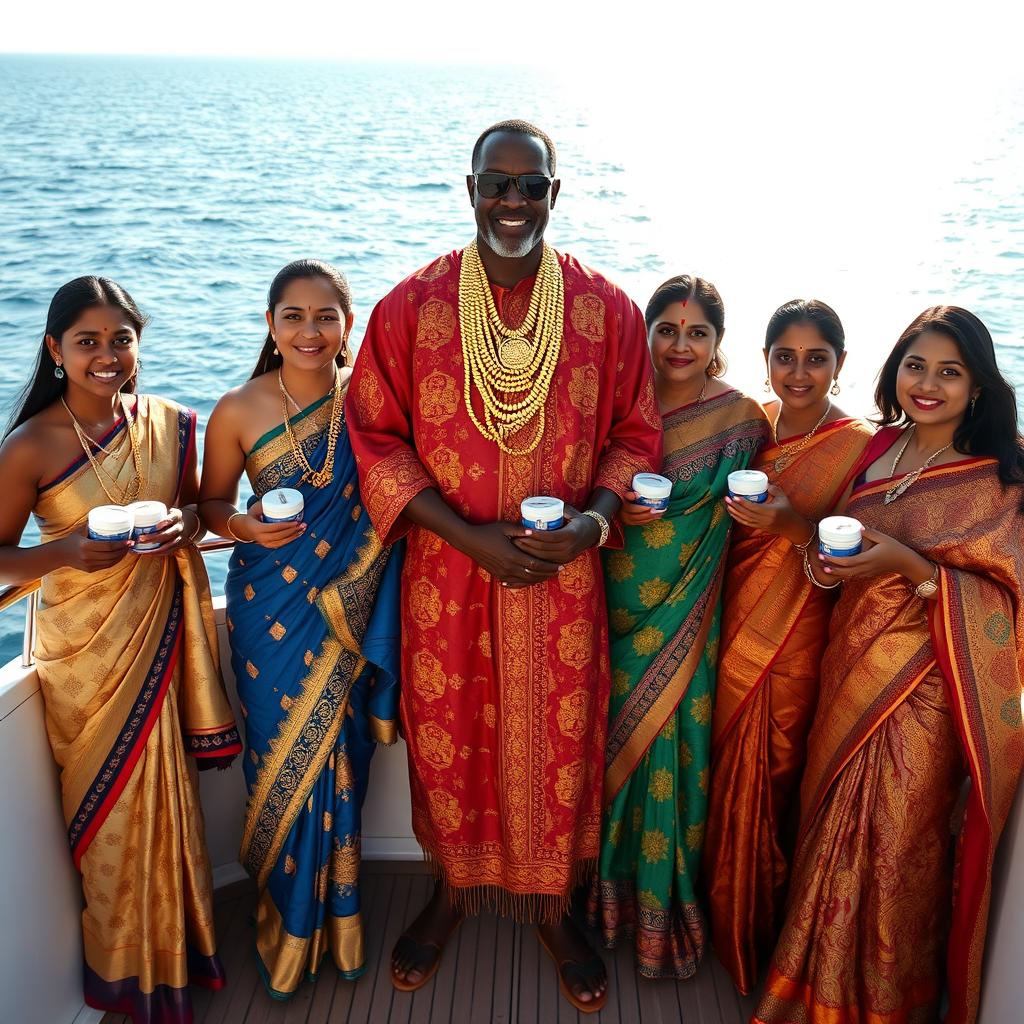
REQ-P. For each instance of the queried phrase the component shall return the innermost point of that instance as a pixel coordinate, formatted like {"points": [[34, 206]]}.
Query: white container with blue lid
{"points": [[751, 484], [840, 535], [652, 490], [111, 522], [146, 515], [283, 505], [542, 513]]}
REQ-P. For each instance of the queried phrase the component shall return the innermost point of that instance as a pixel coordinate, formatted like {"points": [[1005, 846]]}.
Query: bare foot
{"points": [[418, 950], [581, 969]]}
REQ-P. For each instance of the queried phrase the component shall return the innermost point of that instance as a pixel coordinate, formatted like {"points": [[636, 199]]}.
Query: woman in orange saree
{"points": [[920, 695], [126, 652], [774, 628]]}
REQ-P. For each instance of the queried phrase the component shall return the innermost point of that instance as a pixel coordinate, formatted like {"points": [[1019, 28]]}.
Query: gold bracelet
{"points": [[809, 573], [231, 533], [602, 523], [807, 543], [194, 535]]}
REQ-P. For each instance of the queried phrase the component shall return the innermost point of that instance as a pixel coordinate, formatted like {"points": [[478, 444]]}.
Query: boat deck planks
{"points": [[498, 974]]}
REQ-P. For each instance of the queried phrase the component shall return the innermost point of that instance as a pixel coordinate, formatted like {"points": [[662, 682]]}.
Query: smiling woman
{"points": [[129, 688]]}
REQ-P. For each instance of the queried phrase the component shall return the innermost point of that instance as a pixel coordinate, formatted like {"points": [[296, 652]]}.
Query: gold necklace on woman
{"points": [[501, 362], [314, 477], [898, 488], [791, 450], [131, 492]]}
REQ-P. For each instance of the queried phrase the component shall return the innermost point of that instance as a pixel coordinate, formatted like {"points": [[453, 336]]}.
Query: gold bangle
{"points": [[928, 588], [231, 533], [809, 573], [807, 543], [602, 523], [194, 535]]}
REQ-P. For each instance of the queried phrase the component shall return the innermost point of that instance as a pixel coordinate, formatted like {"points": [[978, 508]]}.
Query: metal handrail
{"points": [[15, 592]]}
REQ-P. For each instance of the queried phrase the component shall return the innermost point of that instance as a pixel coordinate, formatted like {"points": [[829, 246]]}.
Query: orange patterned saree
{"points": [[916, 698], [774, 629], [504, 692]]}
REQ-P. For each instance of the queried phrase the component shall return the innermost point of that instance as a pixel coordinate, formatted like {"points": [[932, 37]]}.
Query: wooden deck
{"points": [[493, 971]]}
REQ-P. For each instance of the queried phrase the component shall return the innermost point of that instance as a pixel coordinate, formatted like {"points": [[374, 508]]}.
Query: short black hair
{"points": [[516, 127]]}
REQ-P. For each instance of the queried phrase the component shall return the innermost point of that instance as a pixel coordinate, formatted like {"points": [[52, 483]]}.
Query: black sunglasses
{"points": [[493, 185]]}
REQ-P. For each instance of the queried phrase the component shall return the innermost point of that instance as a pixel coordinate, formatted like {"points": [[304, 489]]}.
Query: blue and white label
{"points": [[544, 524], [759, 499], [657, 503], [93, 535], [838, 552]]}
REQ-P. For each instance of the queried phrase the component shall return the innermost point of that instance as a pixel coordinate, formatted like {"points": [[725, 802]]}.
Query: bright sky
{"points": [[938, 40]]}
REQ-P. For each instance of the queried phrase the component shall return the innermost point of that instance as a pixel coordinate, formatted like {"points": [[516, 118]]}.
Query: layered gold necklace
{"points": [[790, 451], [134, 486], [904, 482], [321, 477], [511, 369]]}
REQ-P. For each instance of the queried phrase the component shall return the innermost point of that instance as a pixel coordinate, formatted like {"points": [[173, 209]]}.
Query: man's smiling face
{"points": [[512, 226]]}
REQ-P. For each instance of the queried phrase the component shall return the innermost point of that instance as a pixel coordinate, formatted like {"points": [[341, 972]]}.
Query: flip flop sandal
{"points": [[586, 973], [421, 954]]}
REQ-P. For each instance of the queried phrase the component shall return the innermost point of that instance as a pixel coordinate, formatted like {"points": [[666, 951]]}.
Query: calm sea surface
{"points": [[192, 182]]}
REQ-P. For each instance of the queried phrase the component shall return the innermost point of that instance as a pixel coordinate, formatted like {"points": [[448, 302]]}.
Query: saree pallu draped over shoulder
{"points": [[915, 697], [314, 638], [128, 666], [504, 696], [663, 604], [774, 630]]}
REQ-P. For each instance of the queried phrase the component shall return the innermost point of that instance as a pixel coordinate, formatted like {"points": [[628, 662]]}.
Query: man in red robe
{"points": [[505, 669]]}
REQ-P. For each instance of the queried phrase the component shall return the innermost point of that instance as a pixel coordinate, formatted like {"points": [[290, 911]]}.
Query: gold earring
{"points": [[834, 390], [767, 384], [974, 402]]}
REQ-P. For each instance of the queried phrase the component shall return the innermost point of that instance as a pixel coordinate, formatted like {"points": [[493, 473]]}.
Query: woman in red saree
{"points": [[920, 695], [774, 628]]}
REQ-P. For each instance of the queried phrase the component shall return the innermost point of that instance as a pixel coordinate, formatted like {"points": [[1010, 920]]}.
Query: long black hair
{"points": [[822, 317], [682, 288], [270, 358], [991, 427], [69, 302]]}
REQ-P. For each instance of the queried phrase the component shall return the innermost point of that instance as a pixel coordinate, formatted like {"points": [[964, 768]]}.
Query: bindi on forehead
{"points": [[682, 321]]}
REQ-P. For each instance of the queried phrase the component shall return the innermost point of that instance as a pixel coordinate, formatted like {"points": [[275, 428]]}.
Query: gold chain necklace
{"points": [[501, 362], [317, 478], [791, 450], [898, 488], [131, 492]]}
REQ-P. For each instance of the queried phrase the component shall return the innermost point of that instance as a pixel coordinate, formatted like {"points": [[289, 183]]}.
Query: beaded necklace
{"points": [[904, 483], [501, 362]]}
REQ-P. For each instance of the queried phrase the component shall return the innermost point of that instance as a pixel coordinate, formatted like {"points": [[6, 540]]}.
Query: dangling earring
{"points": [[834, 390], [974, 402], [58, 372], [344, 350], [767, 384], [276, 353]]}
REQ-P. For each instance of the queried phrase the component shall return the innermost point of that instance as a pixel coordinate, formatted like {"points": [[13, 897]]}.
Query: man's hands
{"points": [[520, 557], [494, 547]]}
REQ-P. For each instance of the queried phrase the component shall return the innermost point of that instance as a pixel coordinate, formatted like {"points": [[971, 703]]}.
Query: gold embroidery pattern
{"points": [[445, 811], [369, 398], [435, 746], [277, 631], [389, 486], [439, 397], [576, 643], [446, 467], [584, 387], [424, 603], [572, 716], [434, 270], [587, 316], [435, 324]]}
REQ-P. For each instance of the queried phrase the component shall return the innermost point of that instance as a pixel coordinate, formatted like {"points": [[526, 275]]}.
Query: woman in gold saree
{"points": [[774, 628], [663, 592], [920, 701], [126, 651]]}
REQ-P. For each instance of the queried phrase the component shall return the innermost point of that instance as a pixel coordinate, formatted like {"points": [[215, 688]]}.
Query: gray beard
{"points": [[512, 252]]}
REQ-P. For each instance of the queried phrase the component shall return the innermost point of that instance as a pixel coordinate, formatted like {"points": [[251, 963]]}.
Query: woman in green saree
{"points": [[663, 592]]}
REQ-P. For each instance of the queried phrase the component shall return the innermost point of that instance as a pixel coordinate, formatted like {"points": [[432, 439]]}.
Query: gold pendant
{"points": [[515, 353], [782, 462]]}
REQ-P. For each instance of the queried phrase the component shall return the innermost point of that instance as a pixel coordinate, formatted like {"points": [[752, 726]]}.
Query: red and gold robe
{"points": [[504, 691]]}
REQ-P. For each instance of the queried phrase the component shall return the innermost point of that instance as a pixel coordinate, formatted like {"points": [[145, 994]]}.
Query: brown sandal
{"points": [[585, 972], [420, 953]]}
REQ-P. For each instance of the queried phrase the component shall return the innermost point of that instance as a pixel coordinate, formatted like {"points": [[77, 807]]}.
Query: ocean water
{"points": [[192, 181]]}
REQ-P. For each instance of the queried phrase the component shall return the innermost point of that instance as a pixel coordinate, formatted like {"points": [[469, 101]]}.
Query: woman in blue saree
{"points": [[312, 612]]}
